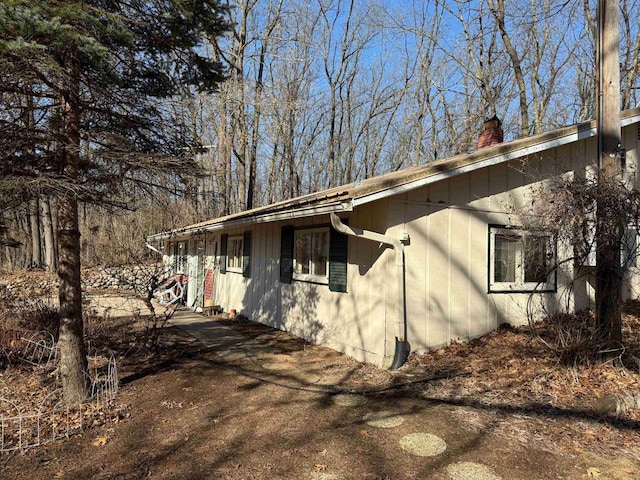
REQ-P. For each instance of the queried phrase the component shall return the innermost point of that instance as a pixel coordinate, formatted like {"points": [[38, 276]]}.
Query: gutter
{"points": [[342, 206], [402, 345]]}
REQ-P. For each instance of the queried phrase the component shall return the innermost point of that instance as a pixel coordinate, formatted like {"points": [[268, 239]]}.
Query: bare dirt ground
{"points": [[254, 403]]}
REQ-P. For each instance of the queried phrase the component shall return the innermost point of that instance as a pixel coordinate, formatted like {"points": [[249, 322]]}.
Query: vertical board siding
{"points": [[446, 264], [438, 297], [415, 273], [308, 310], [459, 272], [449, 253]]}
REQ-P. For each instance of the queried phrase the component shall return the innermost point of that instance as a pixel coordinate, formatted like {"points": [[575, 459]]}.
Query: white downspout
{"points": [[402, 346]]}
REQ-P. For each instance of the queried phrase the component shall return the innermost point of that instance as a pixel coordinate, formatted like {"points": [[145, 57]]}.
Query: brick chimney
{"points": [[491, 133]]}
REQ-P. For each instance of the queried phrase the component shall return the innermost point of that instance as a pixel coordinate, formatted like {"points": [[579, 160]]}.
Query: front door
{"points": [[194, 271]]}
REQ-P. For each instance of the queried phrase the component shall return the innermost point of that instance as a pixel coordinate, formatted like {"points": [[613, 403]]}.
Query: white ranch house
{"points": [[438, 256]]}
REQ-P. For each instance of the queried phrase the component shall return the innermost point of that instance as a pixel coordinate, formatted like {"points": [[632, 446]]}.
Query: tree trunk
{"points": [[21, 220], [497, 8], [73, 354], [50, 257], [610, 226], [34, 221]]}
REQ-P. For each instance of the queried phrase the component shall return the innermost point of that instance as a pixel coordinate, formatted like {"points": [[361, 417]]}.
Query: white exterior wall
{"points": [[446, 264], [447, 261], [354, 322], [631, 141]]}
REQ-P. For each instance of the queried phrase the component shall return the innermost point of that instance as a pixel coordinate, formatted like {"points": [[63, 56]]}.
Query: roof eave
{"points": [[309, 211]]}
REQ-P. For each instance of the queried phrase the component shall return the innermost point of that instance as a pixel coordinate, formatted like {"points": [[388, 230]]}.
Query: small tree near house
{"points": [[146, 279], [590, 216], [121, 252]]}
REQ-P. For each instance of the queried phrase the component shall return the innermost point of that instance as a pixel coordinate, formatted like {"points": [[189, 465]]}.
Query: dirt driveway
{"points": [[246, 402]]}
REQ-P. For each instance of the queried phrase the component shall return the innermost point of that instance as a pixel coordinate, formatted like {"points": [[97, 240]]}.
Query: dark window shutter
{"points": [[223, 253], [286, 254], [246, 255], [338, 253]]}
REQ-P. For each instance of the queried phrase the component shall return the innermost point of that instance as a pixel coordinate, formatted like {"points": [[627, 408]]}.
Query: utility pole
{"points": [[609, 227]]}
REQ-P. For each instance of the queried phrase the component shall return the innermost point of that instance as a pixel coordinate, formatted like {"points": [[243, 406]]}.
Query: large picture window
{"points": [[234, 254], [311, 255], [521, 260]]}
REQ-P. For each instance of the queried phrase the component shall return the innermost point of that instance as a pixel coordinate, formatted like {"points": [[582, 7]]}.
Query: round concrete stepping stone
{"points": [[349, 400], [423, 444], [383, 419], [470, 471]]}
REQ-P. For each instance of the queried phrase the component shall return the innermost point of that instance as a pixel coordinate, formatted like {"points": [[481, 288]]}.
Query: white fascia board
{"points": [[628, 121], [344, 206], [522, 152]]}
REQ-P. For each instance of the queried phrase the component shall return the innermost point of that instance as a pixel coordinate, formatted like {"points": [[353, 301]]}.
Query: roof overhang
{"points": [[308, 211]]}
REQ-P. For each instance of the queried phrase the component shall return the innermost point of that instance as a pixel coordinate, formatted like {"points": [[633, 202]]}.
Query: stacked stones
{"points": [[121, 278], [41, 283]]}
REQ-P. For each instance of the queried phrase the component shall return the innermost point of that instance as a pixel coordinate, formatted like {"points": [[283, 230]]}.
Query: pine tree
{"points": [[85, 113]]}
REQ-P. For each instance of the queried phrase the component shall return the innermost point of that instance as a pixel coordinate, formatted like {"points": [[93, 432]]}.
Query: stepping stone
{"points": [[383, 419], [349, 400], [423, 444], [470, 471]]}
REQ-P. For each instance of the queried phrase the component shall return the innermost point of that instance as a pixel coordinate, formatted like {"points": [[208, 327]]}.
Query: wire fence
{"points": [[40, 349], [54, 419]]}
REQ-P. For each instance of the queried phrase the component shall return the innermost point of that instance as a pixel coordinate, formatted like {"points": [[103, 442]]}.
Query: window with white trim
{"points": [[311, 255], [234, 253], [521, 260]]}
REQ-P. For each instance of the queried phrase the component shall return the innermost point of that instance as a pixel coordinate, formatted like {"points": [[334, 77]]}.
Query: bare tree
{"points": [[630, 53], [344, 38], [547, 57], [497, 8], [34, 222]]}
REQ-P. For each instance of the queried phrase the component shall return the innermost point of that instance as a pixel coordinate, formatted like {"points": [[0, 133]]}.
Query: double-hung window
{"points": [[521, 260], [311, 255], [234, 254], [314, 254]]}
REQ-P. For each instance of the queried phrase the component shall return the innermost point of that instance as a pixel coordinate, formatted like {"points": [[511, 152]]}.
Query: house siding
{"points": [[446, 272], [353, 322], [447, 258]]}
